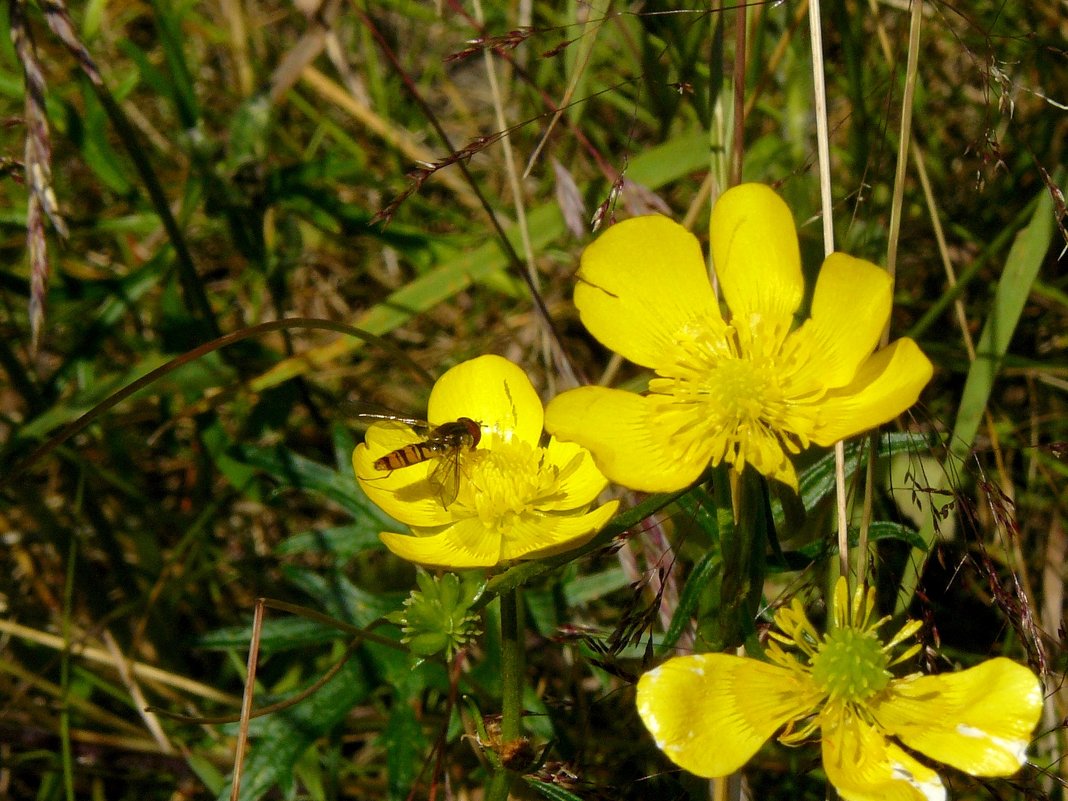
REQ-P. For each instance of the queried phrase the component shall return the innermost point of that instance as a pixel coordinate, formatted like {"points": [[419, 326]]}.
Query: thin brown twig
{"points": [[246, 700]]}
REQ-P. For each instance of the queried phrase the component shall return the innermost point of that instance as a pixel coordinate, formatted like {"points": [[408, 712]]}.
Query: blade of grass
{"points": [[389, 131], [518, 200], [560, 357], [655, 168], [1021, 268]]}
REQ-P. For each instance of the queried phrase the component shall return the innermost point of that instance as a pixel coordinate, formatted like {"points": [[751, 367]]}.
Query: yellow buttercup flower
{"points": [[514, 498], [711, 712], [751, 389]]}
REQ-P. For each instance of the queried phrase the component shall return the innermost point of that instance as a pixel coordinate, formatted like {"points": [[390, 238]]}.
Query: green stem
{"points": [[743, 546], [511, 667], [511, 687]]}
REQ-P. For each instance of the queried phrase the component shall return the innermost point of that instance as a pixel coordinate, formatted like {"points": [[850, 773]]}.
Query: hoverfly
{"points": [[445, 444]]}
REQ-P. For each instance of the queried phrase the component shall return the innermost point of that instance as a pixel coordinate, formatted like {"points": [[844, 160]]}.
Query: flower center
{"points": [[732, 386], [742, 390], [851, 665], [507, 480]]}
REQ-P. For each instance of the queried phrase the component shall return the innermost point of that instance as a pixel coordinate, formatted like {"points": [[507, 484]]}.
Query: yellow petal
{"points": [[864, 766], [765, 454], [849, 311], [886, 385], [466, 544], [755, 253], [979, 720], [628, 439], [711, 712], [581, 481], [535, 536], [404, 494], [643, 281], [492, 391]]}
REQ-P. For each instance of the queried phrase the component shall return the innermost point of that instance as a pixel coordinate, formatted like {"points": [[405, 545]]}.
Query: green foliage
{"points": [[224, 166]]}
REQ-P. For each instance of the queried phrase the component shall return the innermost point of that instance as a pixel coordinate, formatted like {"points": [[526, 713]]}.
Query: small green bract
{"points": [[437, 617]]}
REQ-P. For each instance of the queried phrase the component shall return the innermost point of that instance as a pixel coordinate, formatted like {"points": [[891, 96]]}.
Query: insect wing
{"points": [[444, 478], [452, 440], [370, 414], [397, 436], [407, 441]]}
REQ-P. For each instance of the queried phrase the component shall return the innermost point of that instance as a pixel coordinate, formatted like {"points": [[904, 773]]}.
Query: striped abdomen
{"points": [[446, 439]]}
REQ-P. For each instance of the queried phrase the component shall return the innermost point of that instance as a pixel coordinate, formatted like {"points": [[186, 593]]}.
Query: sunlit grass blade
{"points": [[1025, 258]]}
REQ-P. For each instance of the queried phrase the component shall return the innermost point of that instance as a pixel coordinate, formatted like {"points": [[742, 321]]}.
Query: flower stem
{"points": [[511, 687], [742, 546], [511, 666]]}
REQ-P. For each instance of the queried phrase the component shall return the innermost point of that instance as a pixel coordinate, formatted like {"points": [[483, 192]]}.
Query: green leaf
{"points": [[235, 469], [95, 391], [343, 542], [298, 472], [284, 736], [701, 508], [405, 744], [338, 596], [816, 482], [742, 549], [92, 18], [282, 634], [703, 573], [554, 792], [92, 129], [206, 771], [248, 131], [179, 81], [881, 530], [596, 585]]}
